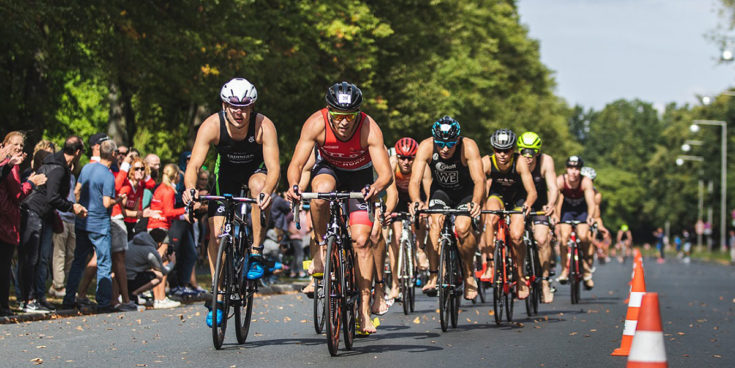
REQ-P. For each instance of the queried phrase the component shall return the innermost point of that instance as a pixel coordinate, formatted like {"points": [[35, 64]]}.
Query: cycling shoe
{"points": [[255, 270], [220, 305]]}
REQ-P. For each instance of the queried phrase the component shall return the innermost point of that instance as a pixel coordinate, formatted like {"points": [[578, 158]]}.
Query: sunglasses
{"points": [[343, 115], [442, 144], [529, 152], [402, 157], [502, 150], [139, 168], [237, 102]]}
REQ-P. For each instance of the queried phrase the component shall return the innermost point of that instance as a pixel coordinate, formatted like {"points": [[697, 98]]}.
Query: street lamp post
{"points": [[723, 179], [700, 190]]}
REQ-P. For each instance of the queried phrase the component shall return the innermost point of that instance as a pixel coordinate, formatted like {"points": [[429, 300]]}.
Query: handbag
{"points": [[57, 223]]}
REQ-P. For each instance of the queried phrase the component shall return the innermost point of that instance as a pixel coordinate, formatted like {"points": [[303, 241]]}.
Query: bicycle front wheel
{"points": [[349, 300], [403, 278], [574, 274], [333, 296], [221, 285], [443, 284], [454, 280], [498, 282], [319, 305]]}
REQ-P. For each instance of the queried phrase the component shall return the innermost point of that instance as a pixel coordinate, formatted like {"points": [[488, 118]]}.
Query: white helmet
{"points": [[238, 92], [588, 172]]}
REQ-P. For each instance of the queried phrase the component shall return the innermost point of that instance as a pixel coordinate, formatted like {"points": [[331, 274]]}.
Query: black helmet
{"points": [[344, 96], [503, 139], [445, 129], [575, 161]]}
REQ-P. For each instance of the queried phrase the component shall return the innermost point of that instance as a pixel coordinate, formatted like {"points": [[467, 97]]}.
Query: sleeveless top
{"points": [[506, 183], [540, 183], [236, 158], [346, 155], [402, 180], [450, 174], [573, 196]]}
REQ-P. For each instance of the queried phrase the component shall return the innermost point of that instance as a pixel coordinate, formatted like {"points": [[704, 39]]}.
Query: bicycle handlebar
{"points": [[512, 212], [338, 196]]}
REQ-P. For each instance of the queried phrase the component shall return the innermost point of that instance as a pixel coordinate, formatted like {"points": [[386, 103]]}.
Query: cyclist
{"points": [[578, 204], [544, 179], [350, 144], [457, 182], [401, 163], [624, 242], [511, 186], [600, 235], [247, 153]]}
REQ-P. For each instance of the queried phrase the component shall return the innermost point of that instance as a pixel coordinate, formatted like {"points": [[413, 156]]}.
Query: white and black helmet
{"points": [[239, 92], [588, 172], [503, 139]]}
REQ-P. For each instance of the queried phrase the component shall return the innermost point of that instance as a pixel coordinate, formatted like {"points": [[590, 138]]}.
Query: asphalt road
{"points": [[697, 305]]}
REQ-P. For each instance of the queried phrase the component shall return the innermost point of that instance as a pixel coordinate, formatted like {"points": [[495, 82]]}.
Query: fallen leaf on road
{"points": [[286, 319], [437, 311], [37, 361], [572, 334], [716, 328], [79, 328], [417, 320], [680, 333], [469, 320], [304, 321], [141, 365], [593, 330], [717, 356], [477, 312], [685, 355], [41, 347]]}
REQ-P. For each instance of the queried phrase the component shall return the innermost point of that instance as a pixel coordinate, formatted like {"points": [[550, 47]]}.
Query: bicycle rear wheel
{"points": [[531, 273], [575, 275], [221, 285], [319, 305], [332, 292], [349, 300], [510, 295], [498, 282], [403, 279], [443, 287]]}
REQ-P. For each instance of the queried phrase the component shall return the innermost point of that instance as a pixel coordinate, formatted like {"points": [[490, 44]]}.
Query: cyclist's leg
{"points": [[320, 217], [439, 200], [422, 260], [379, 306], [494, 202], [255, 183], [564, 231], [543, 238], [360, 233], [467, 245], [393, 253], [517, 227], [215, 230], [586, 251]]}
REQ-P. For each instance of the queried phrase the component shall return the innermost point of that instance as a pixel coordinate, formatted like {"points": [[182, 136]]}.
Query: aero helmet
{"points": [[588, 172], [445, 129], [503, 139], [575, 161], [238, 92], [406, 147], [529, 140], [344, 96]]}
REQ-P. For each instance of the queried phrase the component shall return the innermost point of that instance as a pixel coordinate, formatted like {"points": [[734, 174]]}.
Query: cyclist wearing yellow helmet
{"points": [[544, 179], [624, 243]]}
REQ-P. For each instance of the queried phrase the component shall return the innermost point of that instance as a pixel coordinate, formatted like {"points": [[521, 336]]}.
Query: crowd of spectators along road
{"points": [[119, 218]]}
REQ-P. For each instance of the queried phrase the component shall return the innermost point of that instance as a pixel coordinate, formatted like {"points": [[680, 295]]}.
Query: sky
{"points": [[604, 50]]}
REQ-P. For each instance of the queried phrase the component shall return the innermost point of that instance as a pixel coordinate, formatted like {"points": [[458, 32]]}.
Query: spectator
{"points": [[120, 154], [11, 194], [164, 201], [154, 165], [280, 211], [659, 235], [132, 178], [144, 265], [35, 211], [687, 247], [181, 234], [94, 144], [96, 191], [53, 223], [64, 244]]}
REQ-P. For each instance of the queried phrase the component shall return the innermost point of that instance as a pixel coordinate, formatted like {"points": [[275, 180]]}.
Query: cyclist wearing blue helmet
{"points": [[457, 182]]}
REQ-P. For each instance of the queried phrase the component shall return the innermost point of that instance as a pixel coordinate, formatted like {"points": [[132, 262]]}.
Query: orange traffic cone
{"points": [[648, 348], [637, 268], [631, 317]]}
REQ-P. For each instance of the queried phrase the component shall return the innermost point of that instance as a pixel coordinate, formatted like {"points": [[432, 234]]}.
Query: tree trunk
{"points": [[121, 122]]}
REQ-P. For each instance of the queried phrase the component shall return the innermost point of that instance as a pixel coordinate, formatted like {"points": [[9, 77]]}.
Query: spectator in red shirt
{"points": [[134, 179]]}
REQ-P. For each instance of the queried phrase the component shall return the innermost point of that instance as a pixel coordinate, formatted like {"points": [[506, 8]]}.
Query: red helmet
{"points": [[406, 147]]}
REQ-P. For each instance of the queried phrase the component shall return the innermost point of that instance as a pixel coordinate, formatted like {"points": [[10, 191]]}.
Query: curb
{"points": [[274, 289]]}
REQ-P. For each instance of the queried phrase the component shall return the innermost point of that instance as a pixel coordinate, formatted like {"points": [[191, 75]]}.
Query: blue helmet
{"points": [[445, 129]]}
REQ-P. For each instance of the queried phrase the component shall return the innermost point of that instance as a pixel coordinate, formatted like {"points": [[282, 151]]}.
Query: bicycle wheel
{"points": [[538, 280], [443, 287], [221, 288], [529, 265], [319, 305], [349, 301], [510, 295], [244, 313], [332, 293], [403, 279], [455, 280], [575, 275], [498, 282]]}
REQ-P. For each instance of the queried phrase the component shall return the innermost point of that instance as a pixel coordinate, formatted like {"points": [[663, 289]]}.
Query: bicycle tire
{"points": [[443, 289], [319, 306], [498, 281], [404, 279], [454, 279], [538, 281], [332, 294], [349, 302], [245, 309], [574, 274], [532, 275], [221, 281], [511, 293]]}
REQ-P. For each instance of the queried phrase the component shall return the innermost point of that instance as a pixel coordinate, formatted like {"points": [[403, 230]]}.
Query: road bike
{"points": [[340, 279], [504, 278], [406, 262], [574, 262], [230, 287], [534, 273], [450, 267]]}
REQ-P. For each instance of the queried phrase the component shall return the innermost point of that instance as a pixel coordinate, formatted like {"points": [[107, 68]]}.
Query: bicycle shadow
{"points": [[276, 342]]}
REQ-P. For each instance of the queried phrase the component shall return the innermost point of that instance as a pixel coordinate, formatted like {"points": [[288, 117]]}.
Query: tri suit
{"points": [[539, 181], [574, 207], [402, 180], [236, 162], [451, 185], [507, 185], [348, 163]]}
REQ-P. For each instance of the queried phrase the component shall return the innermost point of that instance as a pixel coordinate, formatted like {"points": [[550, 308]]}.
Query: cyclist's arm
{"points": [[474, 163], [306, 171], [391, 193], [527, 179], [426, 181], [589, 196], [312, 128], [598, 200], [486, 164], [549, 172], [423, 155], [378, 155], [270, 155], [619, 238], [208, 133]]}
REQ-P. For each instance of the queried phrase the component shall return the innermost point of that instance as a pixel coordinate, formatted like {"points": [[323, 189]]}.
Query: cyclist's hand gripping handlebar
{"points": [[295, 204]]}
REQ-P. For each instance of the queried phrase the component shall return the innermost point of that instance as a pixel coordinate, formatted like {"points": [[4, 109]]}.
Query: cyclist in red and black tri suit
{"points": [[350, 144], [457, 182]]}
